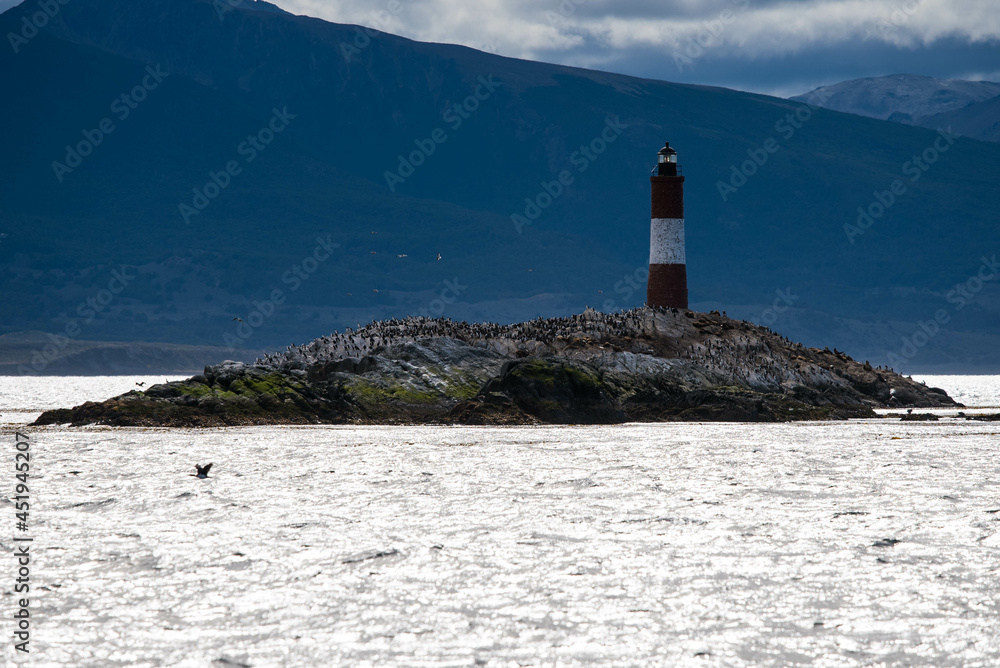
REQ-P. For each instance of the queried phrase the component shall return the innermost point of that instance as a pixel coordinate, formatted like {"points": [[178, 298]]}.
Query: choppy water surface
{"points": [[22, 399], [979, 391], [636, 545]]}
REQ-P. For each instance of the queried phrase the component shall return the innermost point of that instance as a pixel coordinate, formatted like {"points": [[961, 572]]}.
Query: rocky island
{"points": [[644, 365]]}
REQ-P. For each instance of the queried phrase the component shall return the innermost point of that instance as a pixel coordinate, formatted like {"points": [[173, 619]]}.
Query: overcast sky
{"points": [[780, 47], [773, 46]]}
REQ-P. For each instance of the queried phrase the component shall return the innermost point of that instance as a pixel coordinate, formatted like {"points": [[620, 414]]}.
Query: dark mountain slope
{"points": [[979, 120]]}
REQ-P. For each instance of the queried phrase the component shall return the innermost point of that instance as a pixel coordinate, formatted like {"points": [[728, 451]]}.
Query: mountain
{"points": [[978, 120], [902, 95], [46, 354], [191, 172], [965, 108]]}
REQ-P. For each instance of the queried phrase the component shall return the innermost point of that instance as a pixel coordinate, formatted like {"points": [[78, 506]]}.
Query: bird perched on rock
{"points": [[202, 471]]}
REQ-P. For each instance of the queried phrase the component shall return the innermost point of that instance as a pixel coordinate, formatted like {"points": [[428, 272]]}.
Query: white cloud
{"points": [[503, 26], [755, 28]]}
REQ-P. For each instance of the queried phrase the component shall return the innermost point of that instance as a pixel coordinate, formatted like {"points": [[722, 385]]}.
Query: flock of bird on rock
{"points": [[365, 340], [728, 350]]}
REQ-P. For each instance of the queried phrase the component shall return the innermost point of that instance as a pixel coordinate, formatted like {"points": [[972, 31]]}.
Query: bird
{"points": [[439, 257], [374, 290], [202, 470], [238, 318], [909, 411], [141, 384], [373, 252], [402, 256]]}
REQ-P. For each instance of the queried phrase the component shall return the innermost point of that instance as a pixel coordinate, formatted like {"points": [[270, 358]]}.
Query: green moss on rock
{"points": [[371, 394]]}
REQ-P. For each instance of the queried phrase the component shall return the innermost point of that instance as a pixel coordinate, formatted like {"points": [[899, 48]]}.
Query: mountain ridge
{"points": [[967, 108]]}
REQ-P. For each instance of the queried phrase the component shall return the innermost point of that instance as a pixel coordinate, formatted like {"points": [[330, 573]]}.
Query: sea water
{"points": [[870, 542]]}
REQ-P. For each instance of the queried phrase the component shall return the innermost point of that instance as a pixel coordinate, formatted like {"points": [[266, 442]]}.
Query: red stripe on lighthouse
{"points": [[668, 196], [667, 286]]}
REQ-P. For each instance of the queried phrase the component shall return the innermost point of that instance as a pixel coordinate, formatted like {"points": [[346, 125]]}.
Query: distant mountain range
{"points": [[206, 174], [99, 358], [967, 108]]}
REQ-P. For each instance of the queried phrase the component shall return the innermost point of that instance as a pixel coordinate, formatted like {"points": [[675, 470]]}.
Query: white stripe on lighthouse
{"points": [[666, 241]]}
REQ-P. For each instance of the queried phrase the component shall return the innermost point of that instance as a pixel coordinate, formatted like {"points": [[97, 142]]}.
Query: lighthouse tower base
{"points": [[667, 286]]}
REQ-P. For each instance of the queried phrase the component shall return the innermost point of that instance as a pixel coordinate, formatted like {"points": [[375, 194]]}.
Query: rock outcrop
{"points": [[644, 365]]}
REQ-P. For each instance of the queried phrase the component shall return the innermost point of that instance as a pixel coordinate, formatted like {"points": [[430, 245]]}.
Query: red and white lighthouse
{"points": [[667, 285]]}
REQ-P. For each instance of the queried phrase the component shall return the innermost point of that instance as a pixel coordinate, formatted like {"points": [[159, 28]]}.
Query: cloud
{"points": [[756, 28], [763, 45]]}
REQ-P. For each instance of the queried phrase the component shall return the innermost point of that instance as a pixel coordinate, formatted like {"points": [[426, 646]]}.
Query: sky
{"points": [[778, 47]]}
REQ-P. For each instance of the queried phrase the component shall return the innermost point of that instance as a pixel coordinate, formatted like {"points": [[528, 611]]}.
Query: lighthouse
{"points": [[667, 285]]}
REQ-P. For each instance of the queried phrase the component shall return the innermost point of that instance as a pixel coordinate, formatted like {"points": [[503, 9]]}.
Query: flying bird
{"points": [[402, 256], [141, 384], [439, 257], [202, 471], [240, 319]]}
